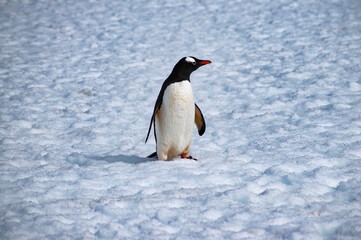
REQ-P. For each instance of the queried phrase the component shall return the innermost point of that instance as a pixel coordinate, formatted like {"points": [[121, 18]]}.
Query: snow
{"points": [[280, 158]]}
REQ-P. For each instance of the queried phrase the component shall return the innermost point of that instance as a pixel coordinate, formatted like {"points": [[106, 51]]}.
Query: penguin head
{"points": [[194, 63], [187, 65]]}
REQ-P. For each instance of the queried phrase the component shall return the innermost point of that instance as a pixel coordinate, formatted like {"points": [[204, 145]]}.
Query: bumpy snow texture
{"points": [[281, 156]]}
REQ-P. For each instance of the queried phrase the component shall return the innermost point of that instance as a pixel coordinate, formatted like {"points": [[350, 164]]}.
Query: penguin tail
{"points": [[153, 155]]}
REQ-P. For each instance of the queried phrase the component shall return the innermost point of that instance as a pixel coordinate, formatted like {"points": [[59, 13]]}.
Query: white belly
{"points": [[174, 121]]}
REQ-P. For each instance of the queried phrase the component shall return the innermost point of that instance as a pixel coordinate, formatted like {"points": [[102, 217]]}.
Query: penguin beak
{"points": [[204, 62]]}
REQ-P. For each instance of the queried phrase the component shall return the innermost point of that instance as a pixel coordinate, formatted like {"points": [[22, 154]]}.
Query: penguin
{"points": [[175, 112]]}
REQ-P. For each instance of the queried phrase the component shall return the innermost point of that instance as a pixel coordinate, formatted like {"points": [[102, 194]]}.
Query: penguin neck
{"points": [[180, 76]]}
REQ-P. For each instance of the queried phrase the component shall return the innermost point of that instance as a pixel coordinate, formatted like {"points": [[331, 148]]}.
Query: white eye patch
{"points": [[190, 60]]}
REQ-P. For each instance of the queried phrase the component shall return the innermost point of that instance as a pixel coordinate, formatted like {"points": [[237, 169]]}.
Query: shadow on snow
{"points": [[124, 159], [83, 160]]}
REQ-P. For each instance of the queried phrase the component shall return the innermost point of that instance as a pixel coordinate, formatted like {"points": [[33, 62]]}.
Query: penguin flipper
{"points": [[158, 103], [153, 155], [150, 127], [199, 120]]}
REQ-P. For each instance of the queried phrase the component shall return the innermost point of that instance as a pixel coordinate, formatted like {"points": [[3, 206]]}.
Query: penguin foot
{"points": [[188, 157], [153, 155]]}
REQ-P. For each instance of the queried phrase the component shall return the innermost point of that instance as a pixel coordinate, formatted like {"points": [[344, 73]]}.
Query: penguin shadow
{"points": [[124, 159]]}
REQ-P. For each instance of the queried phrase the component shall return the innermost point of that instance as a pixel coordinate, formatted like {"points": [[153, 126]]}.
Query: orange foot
{"points": [[188, 157]]}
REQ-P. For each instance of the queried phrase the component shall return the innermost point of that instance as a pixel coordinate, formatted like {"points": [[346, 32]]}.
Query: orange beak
{"points": [[204, 62]]}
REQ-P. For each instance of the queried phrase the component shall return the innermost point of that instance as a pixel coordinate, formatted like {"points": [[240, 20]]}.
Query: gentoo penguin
{"points": [[175, 112]]}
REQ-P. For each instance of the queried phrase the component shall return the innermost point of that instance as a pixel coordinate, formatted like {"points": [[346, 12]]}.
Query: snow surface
{"points": [[280, 158]]}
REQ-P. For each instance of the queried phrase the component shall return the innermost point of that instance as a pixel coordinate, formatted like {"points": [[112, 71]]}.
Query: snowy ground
{"points": [[281, 156]]}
